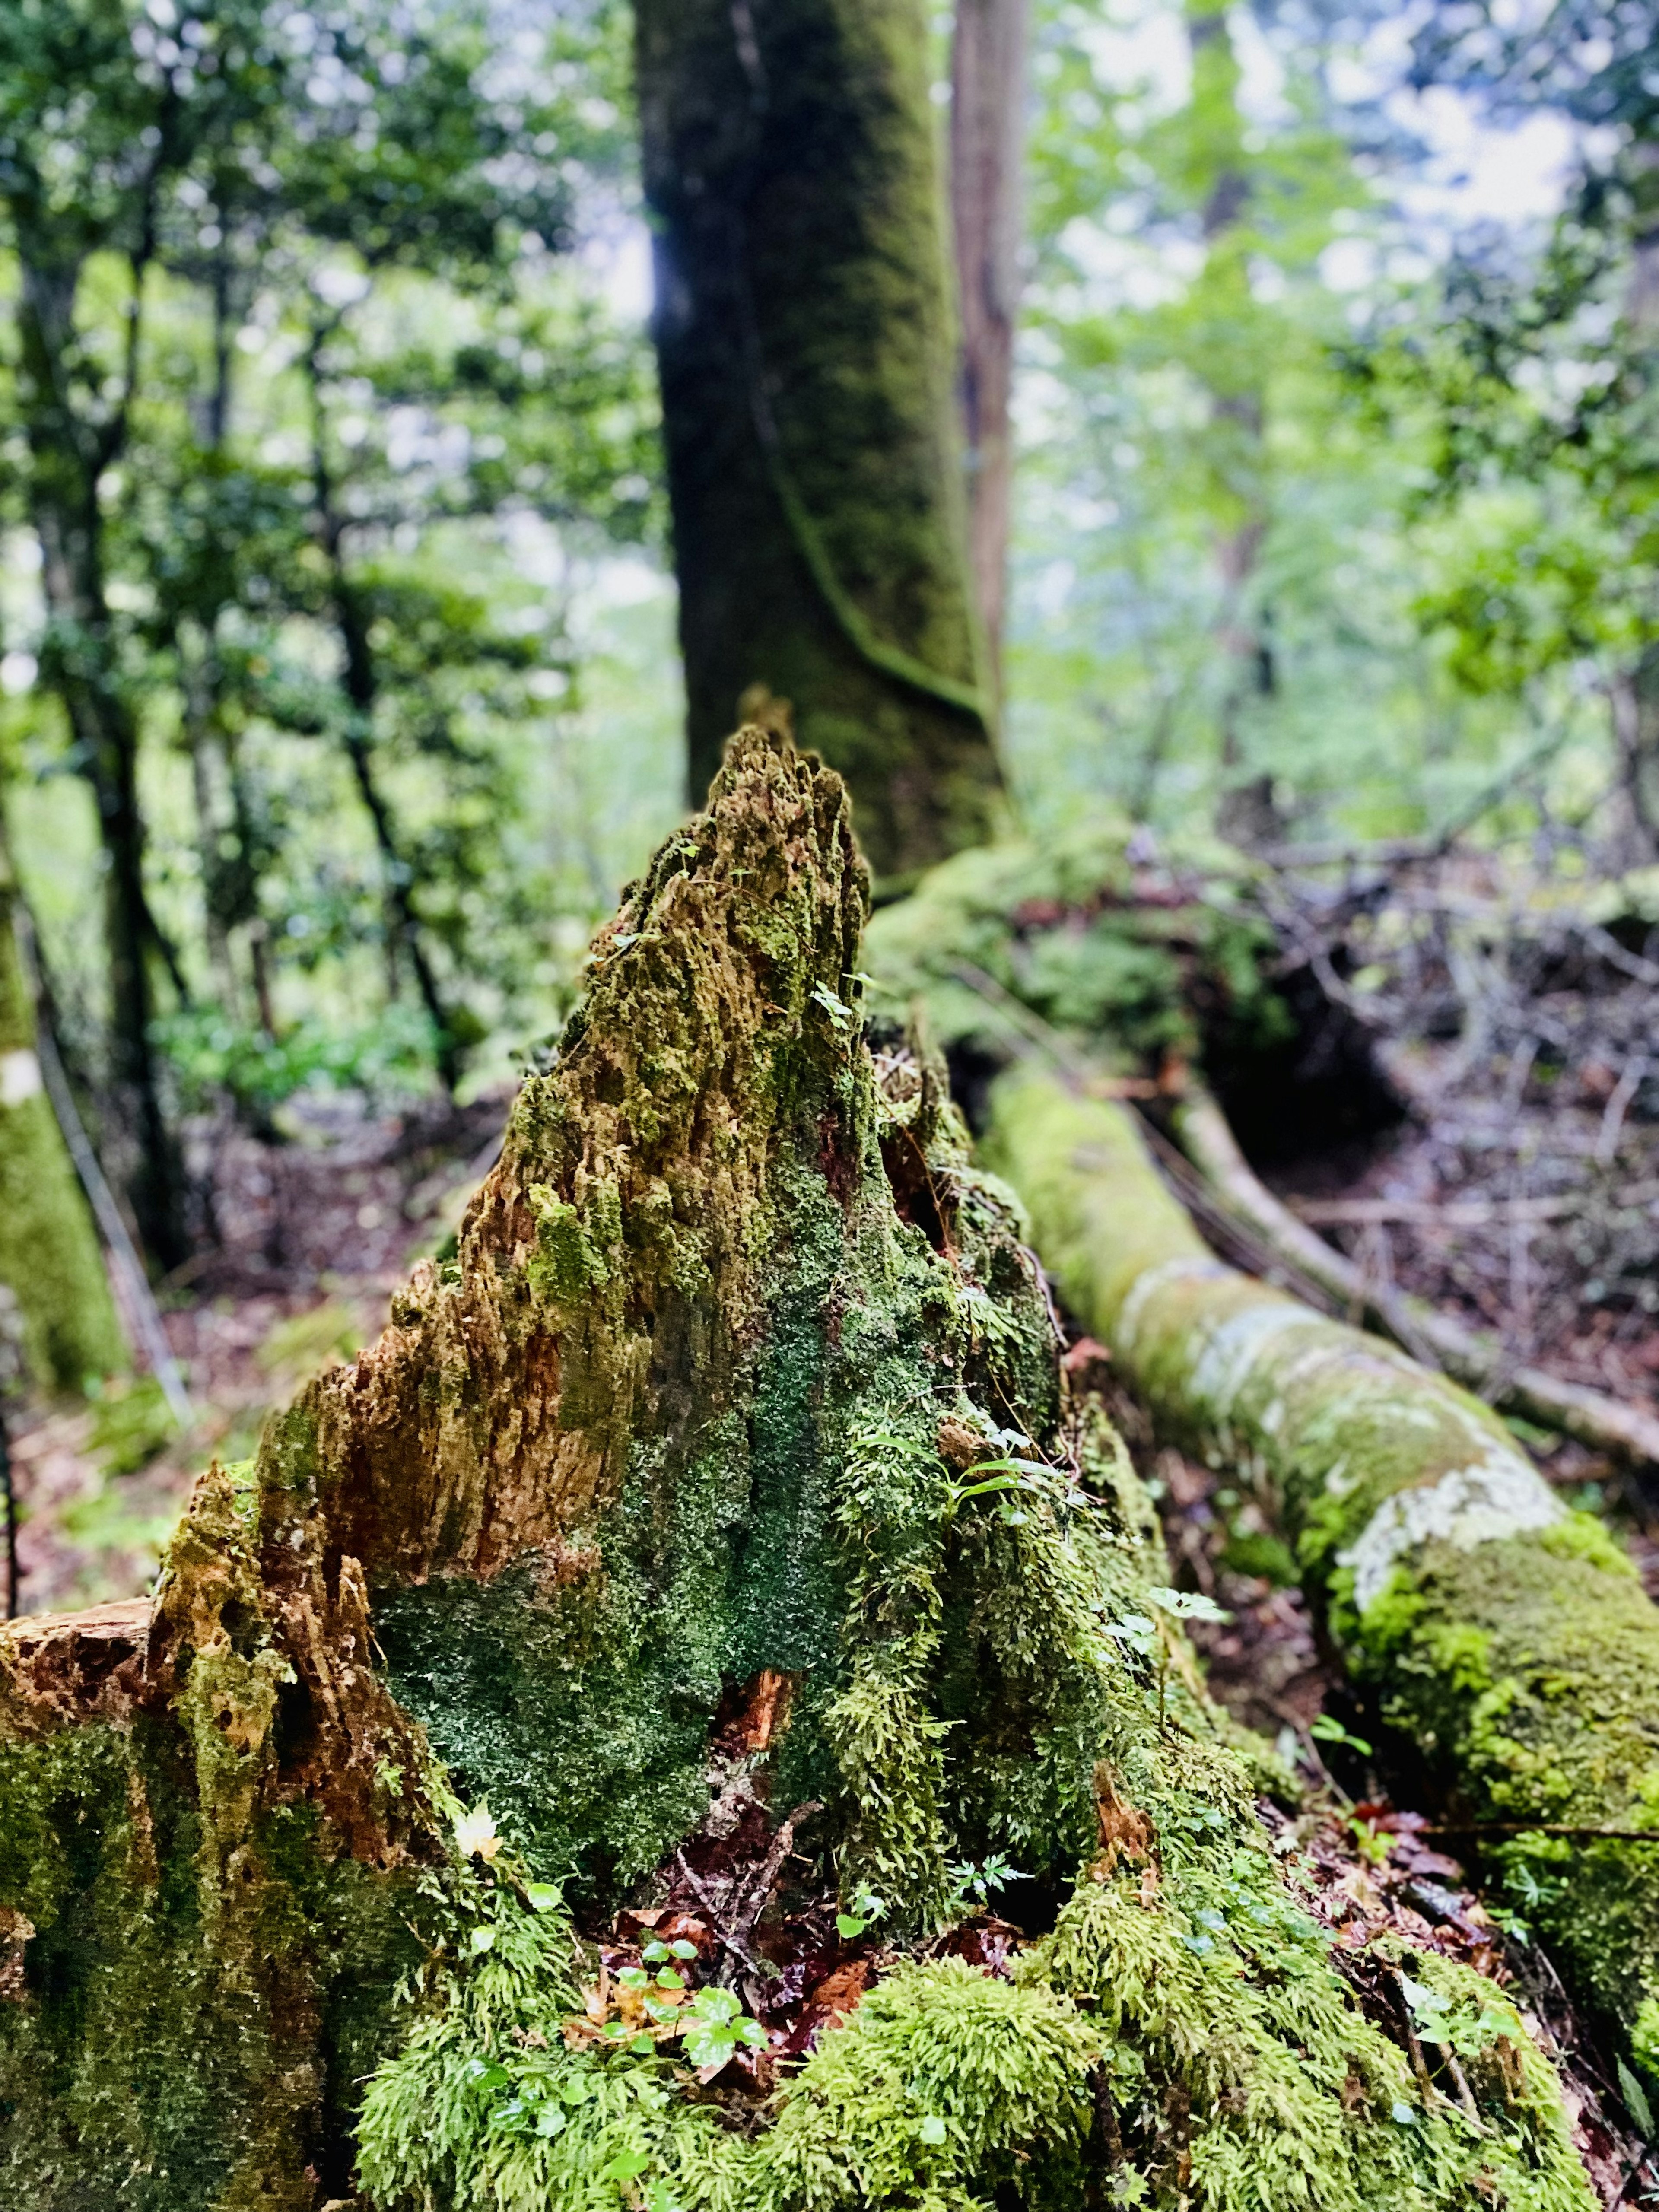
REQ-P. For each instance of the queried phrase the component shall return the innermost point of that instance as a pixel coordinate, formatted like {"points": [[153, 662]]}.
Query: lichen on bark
{"points": [[740, 1375]]}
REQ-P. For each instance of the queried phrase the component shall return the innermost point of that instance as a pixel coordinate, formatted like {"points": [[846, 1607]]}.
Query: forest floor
{"points": [[313, 1236]]}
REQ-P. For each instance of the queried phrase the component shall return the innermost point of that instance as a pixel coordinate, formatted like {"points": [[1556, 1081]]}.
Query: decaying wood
{"points": [[725, 1470], [1505, 1639]]}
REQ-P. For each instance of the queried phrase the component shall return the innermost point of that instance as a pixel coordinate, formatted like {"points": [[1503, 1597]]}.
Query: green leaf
{"points": [[849, 1928], [1327, 1728], [551, 2120], [1636, 2101], [682, 1949], [483, 1939], [933, 2130], [1403, 2114], [627, 2166], [545, 1896]]}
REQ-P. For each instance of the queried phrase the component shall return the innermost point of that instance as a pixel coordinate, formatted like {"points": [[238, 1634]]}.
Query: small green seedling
{"points": [[867, 1908], [1327, 1728], [715, 2026]]}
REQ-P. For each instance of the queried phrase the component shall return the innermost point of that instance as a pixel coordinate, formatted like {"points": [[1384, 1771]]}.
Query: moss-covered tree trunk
{"points": [[49, 1256], [727, 1470], [806, 347], [1504, 1638]]}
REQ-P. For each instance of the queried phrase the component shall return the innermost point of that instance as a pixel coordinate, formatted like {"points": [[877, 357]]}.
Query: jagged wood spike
{"points": [[697, 1407]]}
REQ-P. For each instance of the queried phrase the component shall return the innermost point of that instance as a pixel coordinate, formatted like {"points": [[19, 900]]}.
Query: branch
{"points": [[1589, 1416]]}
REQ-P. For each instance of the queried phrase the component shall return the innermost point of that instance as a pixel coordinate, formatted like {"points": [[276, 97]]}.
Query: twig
{"points": [[1613, 1121], [10, 1488], [724, 1936], [760, 1888]]}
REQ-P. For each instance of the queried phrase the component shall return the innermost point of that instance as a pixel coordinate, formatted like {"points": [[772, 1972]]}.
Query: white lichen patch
{"points": [[1232, 1347], [20, 1076], [1187, 1266], [1498, 1495]]}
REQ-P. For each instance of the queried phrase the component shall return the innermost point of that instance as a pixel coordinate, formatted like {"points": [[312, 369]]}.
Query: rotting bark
{"points": [[49, 1255], [805, 345], [1504, 1639], [739, 1399]]}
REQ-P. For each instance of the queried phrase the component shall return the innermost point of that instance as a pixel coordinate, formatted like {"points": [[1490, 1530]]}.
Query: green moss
{"points": [[49, 1255], [169, 2050], [1060, 929], [807, 378], [1506, 1642]]}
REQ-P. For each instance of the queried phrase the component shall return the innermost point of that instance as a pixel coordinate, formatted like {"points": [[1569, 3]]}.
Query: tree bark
{"points": [[1237, 415], [672, 1502], [1506, 1641], [49, 1255], [987, 140], [68, 459], [805, 346]]}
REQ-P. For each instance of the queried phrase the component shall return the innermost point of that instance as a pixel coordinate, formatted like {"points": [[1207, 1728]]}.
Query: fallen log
{"points": [[1504, 1639], [726, 1470]]}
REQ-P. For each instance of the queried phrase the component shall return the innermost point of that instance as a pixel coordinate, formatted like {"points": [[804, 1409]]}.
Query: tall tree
{"points": [[807, 348]]}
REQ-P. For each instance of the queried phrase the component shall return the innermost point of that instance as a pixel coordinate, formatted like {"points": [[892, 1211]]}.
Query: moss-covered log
{"points": [[806, 345], [49, 1256], [1505, 1639], [726, 1470]]}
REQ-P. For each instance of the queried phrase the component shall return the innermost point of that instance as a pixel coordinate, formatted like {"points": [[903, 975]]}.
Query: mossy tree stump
{"points": [[741, 1396]]}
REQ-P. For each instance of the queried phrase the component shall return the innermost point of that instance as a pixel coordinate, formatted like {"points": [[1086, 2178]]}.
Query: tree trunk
{"points": [[49, 1256], [360, 680], [805, 346], [66, 464], [1247, 812], [987, 139], [1506, 1641], [673, 1502]]}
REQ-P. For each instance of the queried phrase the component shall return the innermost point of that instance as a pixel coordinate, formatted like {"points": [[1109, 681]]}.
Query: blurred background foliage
{"points": [[1334, 505]]}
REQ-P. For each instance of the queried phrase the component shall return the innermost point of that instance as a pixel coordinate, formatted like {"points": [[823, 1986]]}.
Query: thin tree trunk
{"points": [[67, 463], [988, 141], [405, 938], [805, 346], [1247, 812]]}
